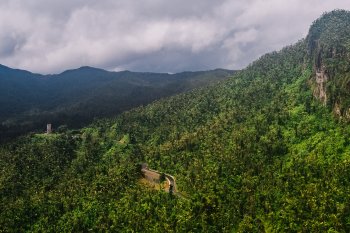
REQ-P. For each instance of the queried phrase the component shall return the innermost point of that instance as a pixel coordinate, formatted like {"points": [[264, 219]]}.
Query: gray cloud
{"points": [[9, 44], [49, 36]]}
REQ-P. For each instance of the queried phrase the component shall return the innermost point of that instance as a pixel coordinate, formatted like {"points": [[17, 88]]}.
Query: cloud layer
{"points": [[49, 36]]}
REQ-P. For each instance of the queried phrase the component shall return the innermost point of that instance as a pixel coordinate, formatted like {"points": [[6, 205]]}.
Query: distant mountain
{"points": [[75, 97], [267, 150]]}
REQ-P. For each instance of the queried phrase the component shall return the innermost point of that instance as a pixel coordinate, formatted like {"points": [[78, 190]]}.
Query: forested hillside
{"points": [[75, 97], [260, 152]]}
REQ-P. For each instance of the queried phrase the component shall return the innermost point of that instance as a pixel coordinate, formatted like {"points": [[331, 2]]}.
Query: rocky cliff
{"points": [[329, 56]]}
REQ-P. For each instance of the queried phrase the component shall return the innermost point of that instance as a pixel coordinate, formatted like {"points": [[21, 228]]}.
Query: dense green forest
{"points": [[260, 152], [75, 98]]}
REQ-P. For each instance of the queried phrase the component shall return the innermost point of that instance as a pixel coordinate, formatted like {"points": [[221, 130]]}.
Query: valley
{"points": [[75, 98], [266, 149]]}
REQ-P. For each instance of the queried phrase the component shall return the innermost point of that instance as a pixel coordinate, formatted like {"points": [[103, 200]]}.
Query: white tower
{"points": [[48, 129]]}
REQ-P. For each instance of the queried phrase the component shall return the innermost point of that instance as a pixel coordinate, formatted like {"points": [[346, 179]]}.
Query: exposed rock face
{"points": [[320, 90], [347, 114], [337, 110], [328, 44]]}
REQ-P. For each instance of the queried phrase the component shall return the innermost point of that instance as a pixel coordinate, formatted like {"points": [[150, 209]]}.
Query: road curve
{"points": [[155, 176]]}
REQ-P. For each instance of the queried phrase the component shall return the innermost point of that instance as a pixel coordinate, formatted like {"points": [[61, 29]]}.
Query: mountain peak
{"points": [[89, 68], [331, 29], [328, 44], [3, 67], [5, 70], [84, 69]]}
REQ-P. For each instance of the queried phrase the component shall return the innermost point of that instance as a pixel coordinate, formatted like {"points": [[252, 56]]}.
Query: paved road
{"points": [[154, 176]]}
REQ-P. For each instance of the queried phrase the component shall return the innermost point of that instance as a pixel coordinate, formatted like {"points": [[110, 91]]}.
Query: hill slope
{"points": [[256, 153], [75, 97]]}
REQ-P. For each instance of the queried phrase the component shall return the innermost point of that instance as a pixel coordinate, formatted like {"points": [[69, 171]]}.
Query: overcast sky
{"points": [[49, 36]]}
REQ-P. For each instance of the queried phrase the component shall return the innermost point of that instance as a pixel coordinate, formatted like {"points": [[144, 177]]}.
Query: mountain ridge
{"points": [[258, 152], [28, 101], [329, 45]]}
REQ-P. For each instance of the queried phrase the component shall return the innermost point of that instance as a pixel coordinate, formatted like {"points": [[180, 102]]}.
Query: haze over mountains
{"points": [[75, 97], [267, 150]]}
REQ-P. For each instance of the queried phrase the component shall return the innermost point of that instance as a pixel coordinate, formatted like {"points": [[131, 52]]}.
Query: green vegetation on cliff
{"points": [[256, 153], [329, 49]]}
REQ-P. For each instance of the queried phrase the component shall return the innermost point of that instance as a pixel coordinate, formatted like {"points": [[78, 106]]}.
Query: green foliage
{"points": [[256, 153], [76, 97], [329, 49]]}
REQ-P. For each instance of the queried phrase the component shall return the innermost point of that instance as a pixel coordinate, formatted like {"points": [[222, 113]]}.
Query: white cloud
{"points": [[155, 35]]}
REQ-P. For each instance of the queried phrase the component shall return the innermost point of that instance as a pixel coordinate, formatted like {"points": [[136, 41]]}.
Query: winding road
{"points": [[155, 177]]}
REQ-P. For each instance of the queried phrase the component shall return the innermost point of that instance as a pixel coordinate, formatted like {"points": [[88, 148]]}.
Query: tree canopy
{"points": [[255, 153]]}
